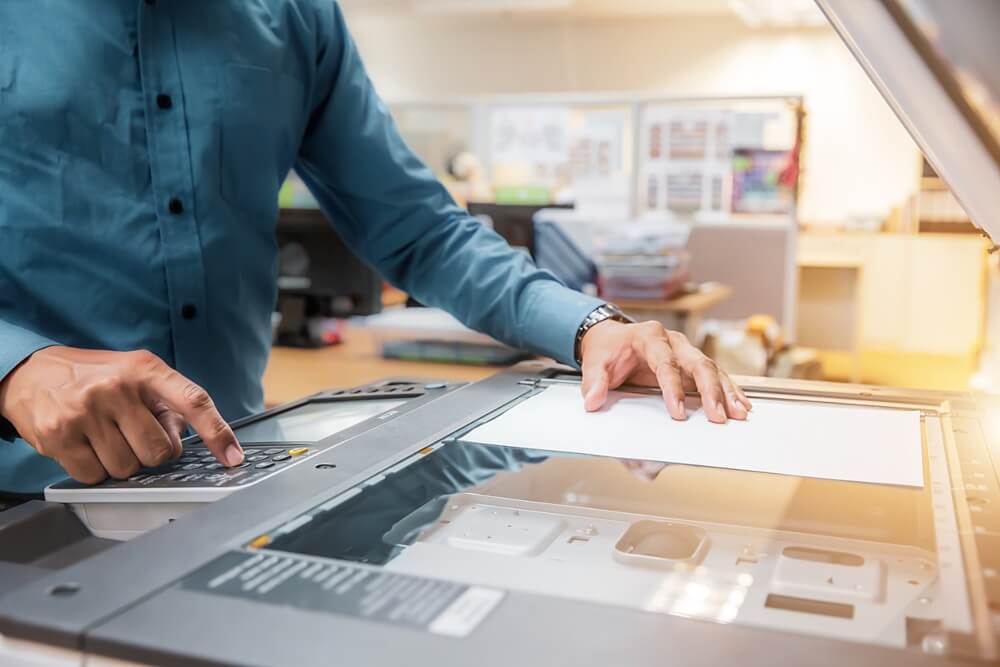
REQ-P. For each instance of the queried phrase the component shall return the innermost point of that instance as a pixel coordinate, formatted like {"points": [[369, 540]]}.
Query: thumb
{"points": [[594, 387]]}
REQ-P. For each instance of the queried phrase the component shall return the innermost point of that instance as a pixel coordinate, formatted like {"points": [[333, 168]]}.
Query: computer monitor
{"points": [[318, 276], [514, 222], [314, 260]]}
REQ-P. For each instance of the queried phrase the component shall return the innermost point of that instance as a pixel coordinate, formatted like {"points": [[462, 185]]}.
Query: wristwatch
{"points": [[608, 311]]}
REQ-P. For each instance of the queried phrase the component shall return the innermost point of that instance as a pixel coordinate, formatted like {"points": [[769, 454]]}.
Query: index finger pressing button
{"points": [[196, 406]]}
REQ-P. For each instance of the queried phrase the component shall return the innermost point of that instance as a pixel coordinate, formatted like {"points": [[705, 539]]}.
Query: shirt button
{"points": [[188, 311], [176, 206], [164, 101]]}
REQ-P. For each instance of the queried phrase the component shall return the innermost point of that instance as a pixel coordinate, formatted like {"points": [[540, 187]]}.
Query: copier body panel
{"points": [[406, 538]]}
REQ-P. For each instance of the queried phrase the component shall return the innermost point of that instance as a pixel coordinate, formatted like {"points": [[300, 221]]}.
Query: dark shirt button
{"points": [[164, 101], [176, 206], [188, 311]]}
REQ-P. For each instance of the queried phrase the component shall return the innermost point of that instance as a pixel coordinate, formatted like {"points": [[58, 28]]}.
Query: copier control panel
{"points": [[273, 442]]}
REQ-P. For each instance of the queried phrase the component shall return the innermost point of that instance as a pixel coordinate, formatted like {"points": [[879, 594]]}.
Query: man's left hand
{"points": [[615, 353]]}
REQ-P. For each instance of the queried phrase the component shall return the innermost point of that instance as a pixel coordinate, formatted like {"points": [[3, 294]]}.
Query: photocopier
{"points": [[367, 528]]}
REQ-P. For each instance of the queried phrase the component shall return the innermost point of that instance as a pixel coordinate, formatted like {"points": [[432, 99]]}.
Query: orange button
{"points": [[298, 451], [260, 542]]}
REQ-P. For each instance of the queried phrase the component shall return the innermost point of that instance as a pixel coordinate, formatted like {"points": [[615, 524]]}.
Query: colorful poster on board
{"points": [[759, 185]]}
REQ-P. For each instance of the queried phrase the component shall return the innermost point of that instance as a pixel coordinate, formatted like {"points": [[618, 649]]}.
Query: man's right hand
{"points": [[103, 413]]}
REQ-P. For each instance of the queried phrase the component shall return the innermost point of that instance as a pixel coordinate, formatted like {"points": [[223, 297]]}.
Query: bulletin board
{"points": [[695, 159], [556, 144], [713, 159]]}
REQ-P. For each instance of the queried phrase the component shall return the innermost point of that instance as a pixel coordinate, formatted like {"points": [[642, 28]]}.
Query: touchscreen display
{"points": [[314, 421]]}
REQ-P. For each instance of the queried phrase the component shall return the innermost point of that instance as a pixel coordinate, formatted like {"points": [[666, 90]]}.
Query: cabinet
{"points": [[919, 295]]}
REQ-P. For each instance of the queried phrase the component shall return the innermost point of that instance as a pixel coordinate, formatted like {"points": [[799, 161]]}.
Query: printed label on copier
{"points": [[441, 607]]}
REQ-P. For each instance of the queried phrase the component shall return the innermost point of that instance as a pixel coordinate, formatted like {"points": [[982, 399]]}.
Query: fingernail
{"points": [[234, 455], [680, 407], [720, 409]]}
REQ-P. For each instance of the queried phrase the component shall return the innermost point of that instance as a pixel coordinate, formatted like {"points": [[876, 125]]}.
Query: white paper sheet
{"points": [[790, 438]]}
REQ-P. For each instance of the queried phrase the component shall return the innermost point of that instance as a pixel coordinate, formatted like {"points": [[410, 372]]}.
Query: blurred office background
{"points": [[722, 165]]}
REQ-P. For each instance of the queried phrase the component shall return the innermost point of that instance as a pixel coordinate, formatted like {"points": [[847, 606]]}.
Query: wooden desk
{"points": [[682, 313], [293, 373]]}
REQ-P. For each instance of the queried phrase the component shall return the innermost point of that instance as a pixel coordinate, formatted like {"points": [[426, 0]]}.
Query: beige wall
{"points": [[858, 159]]}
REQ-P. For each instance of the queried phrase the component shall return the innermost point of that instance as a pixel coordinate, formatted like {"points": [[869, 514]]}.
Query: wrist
{"points": [[9, 385], [599, 315], [590, 336], [8, 391]]}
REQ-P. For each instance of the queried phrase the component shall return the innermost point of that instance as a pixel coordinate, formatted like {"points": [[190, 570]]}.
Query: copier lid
{"points": [[934, 61]]}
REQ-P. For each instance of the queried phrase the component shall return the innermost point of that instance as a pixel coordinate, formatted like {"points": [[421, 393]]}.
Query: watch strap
{"points": [[608, 311]]}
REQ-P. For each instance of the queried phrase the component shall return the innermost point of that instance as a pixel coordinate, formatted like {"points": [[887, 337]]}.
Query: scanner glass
{"points": [[836, 559]]}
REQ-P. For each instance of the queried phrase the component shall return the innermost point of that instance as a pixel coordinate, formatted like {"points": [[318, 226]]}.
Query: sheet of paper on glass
{"points": [[839, 442]]}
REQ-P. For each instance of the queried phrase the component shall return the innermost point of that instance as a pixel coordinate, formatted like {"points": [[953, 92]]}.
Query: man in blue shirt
{"points": [[142, 145]]}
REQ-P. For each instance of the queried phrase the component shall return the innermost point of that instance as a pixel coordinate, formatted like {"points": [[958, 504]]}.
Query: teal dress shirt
{"points": [[142, 146]]}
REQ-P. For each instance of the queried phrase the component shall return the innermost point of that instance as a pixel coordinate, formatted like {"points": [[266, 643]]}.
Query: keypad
{"points": [[198, 467]]}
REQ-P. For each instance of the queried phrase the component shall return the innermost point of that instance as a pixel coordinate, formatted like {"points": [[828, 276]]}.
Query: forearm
{"points": [[468, 270]]}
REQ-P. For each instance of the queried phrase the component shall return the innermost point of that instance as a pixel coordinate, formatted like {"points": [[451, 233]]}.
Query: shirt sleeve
{"points": [[390, 209], [16, 345]]}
